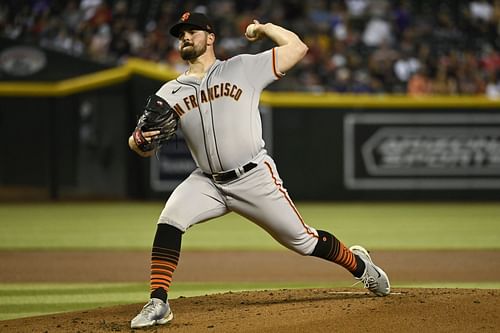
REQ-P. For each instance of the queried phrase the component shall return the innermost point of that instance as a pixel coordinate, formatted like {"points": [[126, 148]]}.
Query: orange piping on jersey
{"points": [[280, 188], [277, 73]]}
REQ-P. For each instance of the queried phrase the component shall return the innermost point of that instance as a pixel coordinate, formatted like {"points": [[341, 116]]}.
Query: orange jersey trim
{"points": [[280, 188], [277, 73]]}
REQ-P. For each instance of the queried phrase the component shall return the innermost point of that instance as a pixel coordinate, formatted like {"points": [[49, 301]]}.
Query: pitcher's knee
{"points": [[304, 246]]}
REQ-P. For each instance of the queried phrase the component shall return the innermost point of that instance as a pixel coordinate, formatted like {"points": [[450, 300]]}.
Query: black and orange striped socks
{"points": [[330, 248], [164, 259]]}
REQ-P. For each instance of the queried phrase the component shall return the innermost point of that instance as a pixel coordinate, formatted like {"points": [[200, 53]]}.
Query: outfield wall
{"points": [[67, 139], [395, 153]]}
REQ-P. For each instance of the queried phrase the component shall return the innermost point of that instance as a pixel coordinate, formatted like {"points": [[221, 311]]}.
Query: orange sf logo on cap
{"points": [[185, 16]]}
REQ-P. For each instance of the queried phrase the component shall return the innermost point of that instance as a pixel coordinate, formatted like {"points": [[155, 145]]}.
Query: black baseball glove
{"points": [[157, 116]]}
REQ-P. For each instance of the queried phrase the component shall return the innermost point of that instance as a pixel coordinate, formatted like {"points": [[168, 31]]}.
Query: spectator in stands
{"points": [[419, 83], [406, 66], [72, 16], [377, 31], [342, 80], [402, 17], [490, 59], [362, 83], [492, 86], [481, 10], [380, 66], [355, 45], [443, 83], [357, 8]]}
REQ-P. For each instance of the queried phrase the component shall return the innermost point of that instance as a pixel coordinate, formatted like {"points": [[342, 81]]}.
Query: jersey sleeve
{"points": [[165, 90], [261, 69]]}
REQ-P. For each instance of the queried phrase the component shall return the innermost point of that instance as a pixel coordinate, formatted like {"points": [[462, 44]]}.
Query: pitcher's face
{"points": [[192, 43]]}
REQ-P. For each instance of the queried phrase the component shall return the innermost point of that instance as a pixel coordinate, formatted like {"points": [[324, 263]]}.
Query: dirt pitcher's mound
{"points": [[310, 310]]}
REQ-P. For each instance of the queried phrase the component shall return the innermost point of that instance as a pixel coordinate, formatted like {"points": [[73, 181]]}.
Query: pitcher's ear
{"points": [[211, 38]]}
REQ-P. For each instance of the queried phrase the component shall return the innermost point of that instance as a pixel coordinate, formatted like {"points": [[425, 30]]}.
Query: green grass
{"points": [[131, 225], [27, 300]]}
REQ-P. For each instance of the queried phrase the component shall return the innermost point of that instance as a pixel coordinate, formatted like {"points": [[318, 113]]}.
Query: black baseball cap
{"points": [[196, 20]]}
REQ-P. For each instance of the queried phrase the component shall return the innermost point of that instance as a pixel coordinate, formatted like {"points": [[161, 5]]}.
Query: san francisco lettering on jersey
{"points": [[224, 89]]}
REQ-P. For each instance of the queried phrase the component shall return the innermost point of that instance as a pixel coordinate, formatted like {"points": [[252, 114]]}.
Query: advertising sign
{"points": [[172, 164], [422, 151]]}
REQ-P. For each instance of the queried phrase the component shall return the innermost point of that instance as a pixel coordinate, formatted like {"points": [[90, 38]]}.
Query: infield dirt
{"points": [[306, 310]]}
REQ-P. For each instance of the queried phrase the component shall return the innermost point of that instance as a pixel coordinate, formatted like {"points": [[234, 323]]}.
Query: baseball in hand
{"points": [[251, 31]]}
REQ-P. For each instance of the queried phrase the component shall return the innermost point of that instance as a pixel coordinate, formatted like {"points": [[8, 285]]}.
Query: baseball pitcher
{"points": [[215, 104]]}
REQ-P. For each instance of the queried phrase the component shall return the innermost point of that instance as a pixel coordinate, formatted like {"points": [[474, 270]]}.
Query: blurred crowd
{"points": [[357, 46]]}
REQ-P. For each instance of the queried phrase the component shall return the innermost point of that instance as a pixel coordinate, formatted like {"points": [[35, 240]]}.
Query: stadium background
{"points": [[396, 103]]}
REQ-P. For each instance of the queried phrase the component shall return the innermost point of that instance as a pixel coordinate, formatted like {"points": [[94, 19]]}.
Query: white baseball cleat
{"points": [[373, 278], [155, 312]]}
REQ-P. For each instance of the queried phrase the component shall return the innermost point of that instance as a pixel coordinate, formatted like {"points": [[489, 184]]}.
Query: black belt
{"points": [[232, 174]]}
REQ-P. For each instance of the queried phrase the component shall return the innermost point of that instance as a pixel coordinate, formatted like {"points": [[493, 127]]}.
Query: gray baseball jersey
{"points": [[220, 120]]}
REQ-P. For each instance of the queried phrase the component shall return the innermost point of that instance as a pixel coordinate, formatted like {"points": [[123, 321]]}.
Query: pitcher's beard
{"points": [[193, 52]]}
